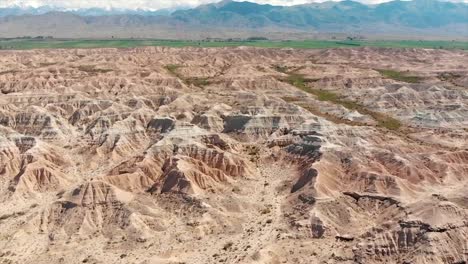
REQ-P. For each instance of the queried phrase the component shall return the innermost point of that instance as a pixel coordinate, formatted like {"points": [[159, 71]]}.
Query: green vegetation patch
{"points": [[399, 76], [388, 122], [172, 68], [348, 43], [300, 82], [197, 81], [29, 43], [324, 95]]}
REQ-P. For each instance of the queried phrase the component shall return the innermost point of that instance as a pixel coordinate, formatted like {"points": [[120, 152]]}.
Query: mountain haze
{"points": [[18, 11], [417, 14], [397, 18]]}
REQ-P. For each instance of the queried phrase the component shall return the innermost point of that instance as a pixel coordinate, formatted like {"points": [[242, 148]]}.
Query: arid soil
{"points": [[234, 155]]}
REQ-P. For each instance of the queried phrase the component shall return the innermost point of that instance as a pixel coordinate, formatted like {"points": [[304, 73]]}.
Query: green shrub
{"points": [[399, 76]]}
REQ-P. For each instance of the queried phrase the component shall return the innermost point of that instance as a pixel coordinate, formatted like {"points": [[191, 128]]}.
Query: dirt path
{"points": [[260, 228]]}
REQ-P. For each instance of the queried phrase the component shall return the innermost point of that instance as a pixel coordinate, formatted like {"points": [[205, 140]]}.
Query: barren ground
{"points": [[234, 155]]}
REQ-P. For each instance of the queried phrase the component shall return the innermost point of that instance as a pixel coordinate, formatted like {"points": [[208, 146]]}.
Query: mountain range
{"points": [[18, 11], [396, 18]]}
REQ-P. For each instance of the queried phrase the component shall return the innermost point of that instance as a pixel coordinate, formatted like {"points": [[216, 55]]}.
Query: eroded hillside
{"points": [[234, 155]]}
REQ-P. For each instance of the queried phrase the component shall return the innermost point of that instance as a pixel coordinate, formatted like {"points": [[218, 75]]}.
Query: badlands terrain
{"points": [[234, 155]]}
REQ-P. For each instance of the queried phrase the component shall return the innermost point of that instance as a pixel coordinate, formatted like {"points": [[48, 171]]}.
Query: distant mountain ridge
{"points": [[391, 18], [18, 11], [417, 13]]}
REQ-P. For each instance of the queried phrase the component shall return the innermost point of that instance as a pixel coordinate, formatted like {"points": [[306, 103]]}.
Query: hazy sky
{"points": [[145, 4]]}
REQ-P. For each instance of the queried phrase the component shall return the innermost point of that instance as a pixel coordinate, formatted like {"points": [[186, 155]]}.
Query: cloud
{"points": [[144, 4]]}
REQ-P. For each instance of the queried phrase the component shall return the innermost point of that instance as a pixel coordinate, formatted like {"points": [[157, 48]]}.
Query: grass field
{"points": [[24, 44]]}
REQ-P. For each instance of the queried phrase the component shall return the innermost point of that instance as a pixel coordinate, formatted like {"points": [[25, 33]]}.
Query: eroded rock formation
{"points": [[233, 155]]}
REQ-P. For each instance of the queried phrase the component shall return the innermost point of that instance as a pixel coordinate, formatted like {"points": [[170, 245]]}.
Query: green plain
{"points": [[24, 44]]}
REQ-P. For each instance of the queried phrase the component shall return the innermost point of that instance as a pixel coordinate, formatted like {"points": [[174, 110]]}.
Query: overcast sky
{"points": [[144, 4]]}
